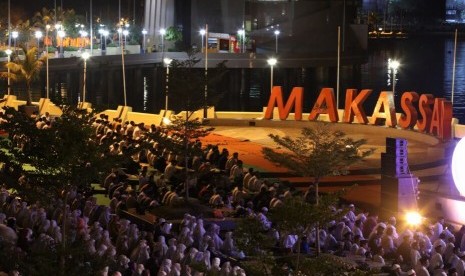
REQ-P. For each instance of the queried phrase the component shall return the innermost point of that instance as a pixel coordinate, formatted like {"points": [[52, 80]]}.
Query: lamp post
{"points": [[162, 33], [276, 34], [120, 32], [241, 34], [62, 35], [125, 33], [105, 33], [393, 65], [15, 35], [83, 38], [57, 28], [38, 35], [124, 75], [8, 52], [272, 62], [167, 61], [47, 28], [202, 33], [84, 56], [144, 33]]}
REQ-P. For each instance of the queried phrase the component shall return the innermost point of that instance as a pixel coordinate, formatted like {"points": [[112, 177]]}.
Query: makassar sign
{"points": [[426, 113]]}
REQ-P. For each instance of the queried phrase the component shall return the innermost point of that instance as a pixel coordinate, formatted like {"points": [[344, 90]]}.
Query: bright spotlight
{"points": [[458, 173], [166, 121], [413, 218]]}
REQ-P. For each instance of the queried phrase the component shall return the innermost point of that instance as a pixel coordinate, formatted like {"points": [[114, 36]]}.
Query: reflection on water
{"points": [[426, 65]]}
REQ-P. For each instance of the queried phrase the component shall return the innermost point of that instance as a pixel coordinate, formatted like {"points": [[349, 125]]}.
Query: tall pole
{"points": [[205, 108], [9, 24], [453, 68], [276, 33], [47, 28], [124, 75], [394, 81], [8, 53], [167, 62], [84, 80], [338, 64], [272, 62], [91, 30]]}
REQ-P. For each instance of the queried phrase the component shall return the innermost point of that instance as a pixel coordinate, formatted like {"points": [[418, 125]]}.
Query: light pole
{"points": [[202, 33], [47, 28], [84, 56], [393, 65], [167, 61], [276, 34], [62, 35], [272, 62], [162, 33], [241, 34], [83, 38], [38, 35], [8, 52], [125, 33], [124, 75], [15, 35], [144, 33], [105, 33], [120, 32]]}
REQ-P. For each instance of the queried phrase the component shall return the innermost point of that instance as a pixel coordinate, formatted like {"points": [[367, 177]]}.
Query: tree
{"points": [[187, 85], [26, 70], [319, 152]]}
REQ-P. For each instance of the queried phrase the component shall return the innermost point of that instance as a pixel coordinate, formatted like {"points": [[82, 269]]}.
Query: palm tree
{"points": [[26, 70]]}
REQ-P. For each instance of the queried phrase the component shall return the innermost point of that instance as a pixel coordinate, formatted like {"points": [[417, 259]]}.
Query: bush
{"points": [[71, 48]]}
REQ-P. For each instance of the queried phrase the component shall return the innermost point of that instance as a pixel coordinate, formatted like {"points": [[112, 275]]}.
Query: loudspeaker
{"points": [[394, 165], [396, 143], [399, 194]]}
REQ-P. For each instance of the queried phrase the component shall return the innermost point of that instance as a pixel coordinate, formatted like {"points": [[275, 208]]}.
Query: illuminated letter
{"points": [[354, 106], [384, 109], [435, 127], [276, 98], [424, 103], [411, 115], [446, 120], [325, 104]]}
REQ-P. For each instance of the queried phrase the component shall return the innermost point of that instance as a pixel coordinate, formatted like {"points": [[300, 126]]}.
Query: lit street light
{"points": [[241, 34], [162, 33], [393, 65], [62, 35], [272, 62], [202, 33], [276, 34], [144, 33], [8, 52], [15, 35], [167, 61], [84, 56], [38, 35], [125, 33], [105, 33], [120, 32]]}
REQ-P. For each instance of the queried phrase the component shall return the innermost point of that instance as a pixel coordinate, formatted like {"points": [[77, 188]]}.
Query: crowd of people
{"points": [[218, 179]]}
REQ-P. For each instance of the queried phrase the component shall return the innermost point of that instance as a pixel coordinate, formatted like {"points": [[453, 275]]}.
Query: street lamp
{"points": [[105, 33], [8, 52], [241, 33], [202, 33], [125, 33], [393, 65], [120, 32], [167, 62], [38, 35], [58, 27], [62, 35], [144, 33], [162, 33], [84, 56], [272, 62], [15, 35], [47, 29], [276, 34]]}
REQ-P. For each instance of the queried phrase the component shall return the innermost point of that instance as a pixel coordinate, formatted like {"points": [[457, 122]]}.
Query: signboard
{"points": [[435, 113]]}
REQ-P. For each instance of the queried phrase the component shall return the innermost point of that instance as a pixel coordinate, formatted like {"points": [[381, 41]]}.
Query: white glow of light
{"points": [[458, 172], [413, 218]]}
